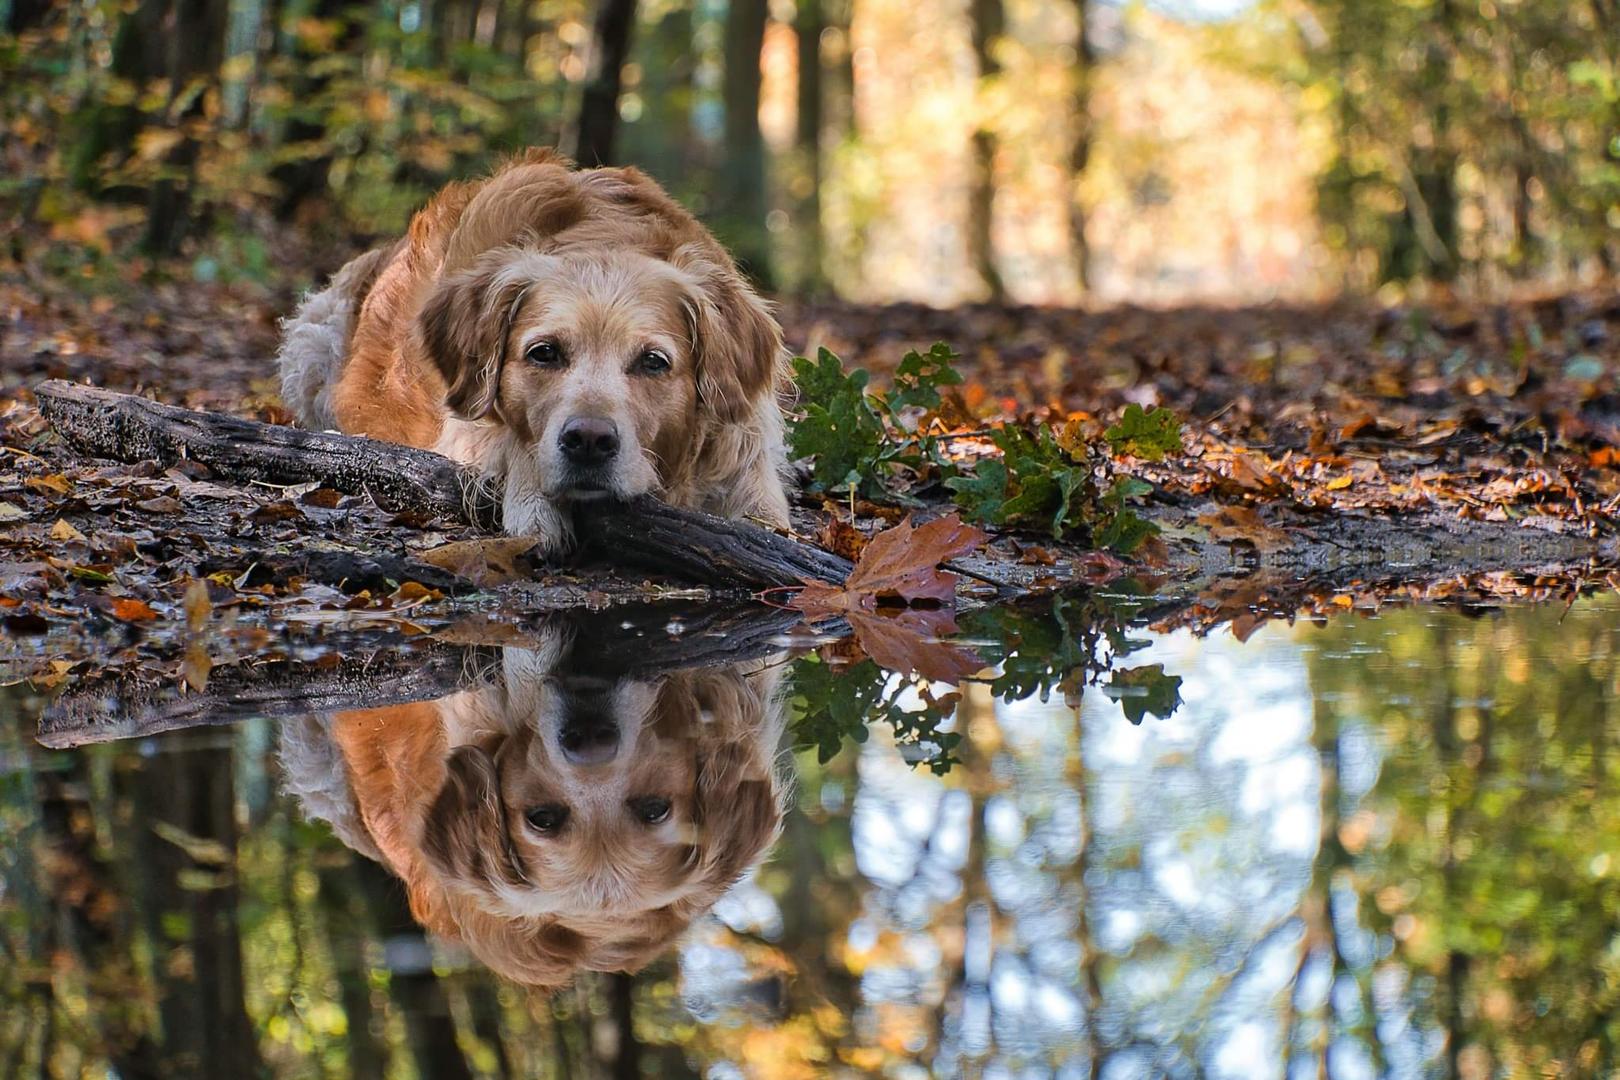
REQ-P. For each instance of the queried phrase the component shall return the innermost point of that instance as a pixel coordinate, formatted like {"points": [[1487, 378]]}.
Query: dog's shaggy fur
{"points": [[521, 306], [441, 792]]}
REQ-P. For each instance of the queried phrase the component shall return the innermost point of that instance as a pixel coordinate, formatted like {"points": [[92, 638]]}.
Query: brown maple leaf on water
{"points": [[898, 569], [898, 566]]}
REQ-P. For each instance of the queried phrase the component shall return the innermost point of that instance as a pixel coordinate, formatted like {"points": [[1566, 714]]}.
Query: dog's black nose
{"points": [[589, 440], [589, 743]]}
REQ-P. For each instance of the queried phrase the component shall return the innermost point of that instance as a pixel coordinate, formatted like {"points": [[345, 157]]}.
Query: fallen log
{"points": [[700, 547], [123, 427], [643, 533]]}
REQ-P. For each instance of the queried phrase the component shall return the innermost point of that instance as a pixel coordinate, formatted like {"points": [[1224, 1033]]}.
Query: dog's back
{"points": [[316, 337]]}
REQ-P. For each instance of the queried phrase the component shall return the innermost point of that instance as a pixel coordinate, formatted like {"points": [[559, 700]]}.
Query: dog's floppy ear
{"points": [[736, 341], [464, 835], [464, 327], [737, 812]]}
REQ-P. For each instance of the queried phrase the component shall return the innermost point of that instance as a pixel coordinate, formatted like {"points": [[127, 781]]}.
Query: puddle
{"points": [[1372, 845]]}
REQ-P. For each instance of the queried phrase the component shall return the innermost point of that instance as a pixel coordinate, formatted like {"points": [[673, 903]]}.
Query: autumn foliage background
{"points": [[1042, 151]]}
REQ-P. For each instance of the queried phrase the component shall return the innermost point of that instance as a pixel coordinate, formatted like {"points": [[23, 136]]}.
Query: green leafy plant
{"points": [[1148, 434], [1039, 482], [863, 441], [867, 443], [1064, 644]]}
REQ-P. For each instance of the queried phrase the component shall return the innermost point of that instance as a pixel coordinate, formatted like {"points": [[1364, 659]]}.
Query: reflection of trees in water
{"points": [[1407, 878], [1016, 917], [1411, 877], [1484, 854]]}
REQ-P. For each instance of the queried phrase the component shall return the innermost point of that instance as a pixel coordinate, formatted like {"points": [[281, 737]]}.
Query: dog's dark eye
{"points": [[544, 353], [652, 362], [650, 809], [548, 818]]}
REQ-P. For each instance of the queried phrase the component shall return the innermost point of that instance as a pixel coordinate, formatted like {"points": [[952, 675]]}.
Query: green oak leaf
{"points": [[1146, 434]]}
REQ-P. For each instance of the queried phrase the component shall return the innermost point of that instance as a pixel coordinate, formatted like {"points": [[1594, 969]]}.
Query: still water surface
{"points": [[1384, 846]]}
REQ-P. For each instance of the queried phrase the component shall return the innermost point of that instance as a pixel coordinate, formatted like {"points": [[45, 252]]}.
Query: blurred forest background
{"points": [[1039, 151]]}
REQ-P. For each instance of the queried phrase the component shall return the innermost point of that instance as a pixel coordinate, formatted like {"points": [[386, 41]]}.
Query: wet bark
{"points": [[128, 428], [1367, 549], [125, 708], [627, 642]]}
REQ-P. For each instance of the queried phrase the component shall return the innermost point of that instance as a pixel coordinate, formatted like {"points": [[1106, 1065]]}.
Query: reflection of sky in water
{"points": [[1154, 918], [1204, 827]]}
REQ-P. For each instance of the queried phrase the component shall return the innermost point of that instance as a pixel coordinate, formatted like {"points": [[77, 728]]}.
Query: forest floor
{"points": [[1333, 456]]}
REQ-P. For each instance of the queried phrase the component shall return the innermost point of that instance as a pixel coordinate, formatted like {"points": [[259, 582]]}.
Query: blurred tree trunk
{"points": [[599, 107], [429, 1026], [1606, 14], [484, 1008], [519, 23], [1448, 753], [742, 177], [1085, 67], [94, 923], [110, 128], [26, 15], [183, 816], [626, 1064], [661, 139], [195, 39], [808, 24], [344, 921], [988, 21], [306, 159], [1091, 988], [1426, 242], [838, 98], [1525, 256]]}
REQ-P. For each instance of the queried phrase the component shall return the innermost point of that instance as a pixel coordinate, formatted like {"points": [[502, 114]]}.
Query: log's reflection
{"points": [[569, 811]]}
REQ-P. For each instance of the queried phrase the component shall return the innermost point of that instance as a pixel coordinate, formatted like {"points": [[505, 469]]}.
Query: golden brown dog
{"points": [[573, 334], [556, 822]]}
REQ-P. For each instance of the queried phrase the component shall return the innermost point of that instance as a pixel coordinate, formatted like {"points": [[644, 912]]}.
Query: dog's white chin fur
{"points": [[526, 509]]}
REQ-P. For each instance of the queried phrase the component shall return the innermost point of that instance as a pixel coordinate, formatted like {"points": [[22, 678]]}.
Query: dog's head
{"points": [[606, 365], [590, 832]]}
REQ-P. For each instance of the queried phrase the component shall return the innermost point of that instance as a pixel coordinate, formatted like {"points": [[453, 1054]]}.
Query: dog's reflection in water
{"points": [[556, 821]]}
